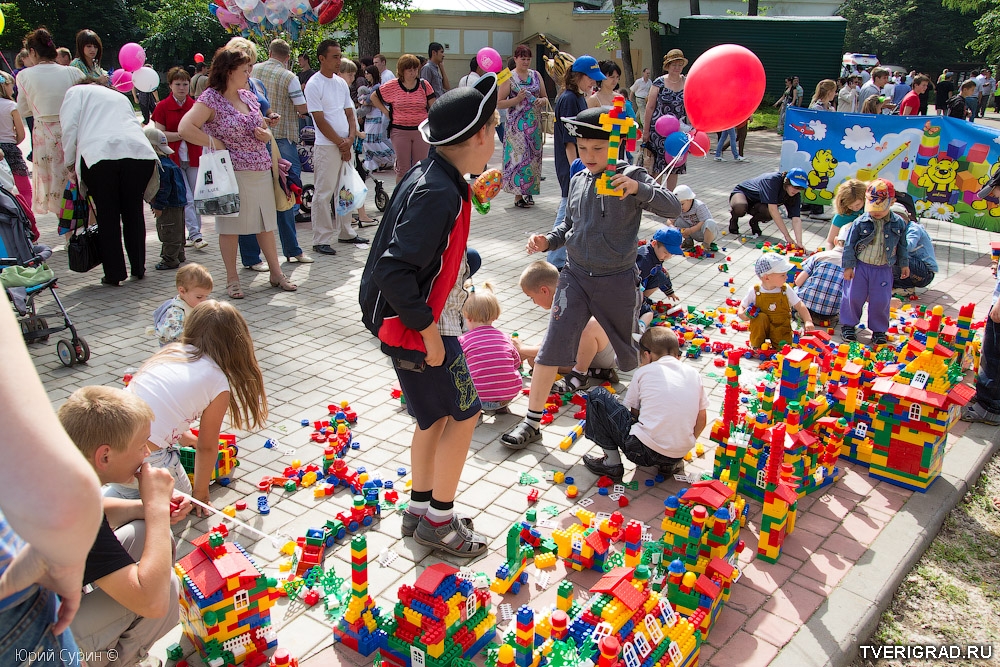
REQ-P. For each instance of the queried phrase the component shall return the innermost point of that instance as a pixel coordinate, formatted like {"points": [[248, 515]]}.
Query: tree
{"points": [[14, 30], [177, 30], [362, 18], [896, 30], [624, 21], [655, 43], [987, 25], [113, 20]]}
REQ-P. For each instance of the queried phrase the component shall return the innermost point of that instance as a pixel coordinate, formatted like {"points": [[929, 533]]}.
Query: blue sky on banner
{"points": [[941, 162]]}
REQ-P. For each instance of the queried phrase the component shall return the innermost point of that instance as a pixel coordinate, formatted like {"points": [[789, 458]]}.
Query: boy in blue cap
{"points": [[761, 197]]}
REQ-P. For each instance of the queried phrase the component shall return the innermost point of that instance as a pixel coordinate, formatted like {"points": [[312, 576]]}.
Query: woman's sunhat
{"points": [[674, 55], [461, 112]]}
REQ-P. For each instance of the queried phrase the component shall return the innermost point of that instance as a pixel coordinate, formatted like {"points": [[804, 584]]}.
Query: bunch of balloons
{"points": [[134, 72], [246, 16]]}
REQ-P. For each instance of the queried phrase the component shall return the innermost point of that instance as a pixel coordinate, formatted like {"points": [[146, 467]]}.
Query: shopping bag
{"points": [[6, 176], [352, 192], [82, 251], [283, 199], [75, 210], [216, 191]]}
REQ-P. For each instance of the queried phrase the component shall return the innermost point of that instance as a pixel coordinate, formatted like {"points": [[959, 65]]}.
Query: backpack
{"points": [[956, 106]]}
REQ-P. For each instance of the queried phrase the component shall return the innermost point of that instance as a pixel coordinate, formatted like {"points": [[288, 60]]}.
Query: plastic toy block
{"points": [[533, 496], [545, 560]]}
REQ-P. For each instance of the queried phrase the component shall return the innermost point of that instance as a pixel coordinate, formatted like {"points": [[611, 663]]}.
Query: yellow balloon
{"points": [[3, 21]]}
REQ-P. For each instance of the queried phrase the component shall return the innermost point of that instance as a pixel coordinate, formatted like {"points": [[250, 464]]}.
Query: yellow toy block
{"points": [[544, 560], [229, 510], [289, 548]]}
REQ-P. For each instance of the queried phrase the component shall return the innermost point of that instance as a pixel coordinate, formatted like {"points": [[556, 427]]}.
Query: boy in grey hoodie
{"points": [[600, 279]]}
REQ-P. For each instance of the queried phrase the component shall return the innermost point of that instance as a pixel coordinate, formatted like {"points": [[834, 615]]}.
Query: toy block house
{"points": [[916, 409], [225, 601], [437, 620]]}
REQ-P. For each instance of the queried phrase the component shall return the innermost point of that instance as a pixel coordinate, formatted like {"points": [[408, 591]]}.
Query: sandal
{"points": [[520, 436], [470, 545], [234, 290], [284, 283], [520, 203], [530, 200], [563, 385]]}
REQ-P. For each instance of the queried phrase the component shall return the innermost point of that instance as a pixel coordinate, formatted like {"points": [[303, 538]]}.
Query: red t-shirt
{"points": [[168, 114], [910, 106], [408, 107]]}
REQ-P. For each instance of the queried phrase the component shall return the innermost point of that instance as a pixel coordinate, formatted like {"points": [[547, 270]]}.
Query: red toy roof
{"points": [[432, 577], [628, 595], [711, 493], [210, 574], [706, 587], [609, 582]]}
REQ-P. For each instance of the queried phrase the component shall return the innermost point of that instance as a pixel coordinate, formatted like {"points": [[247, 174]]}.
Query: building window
{"points": [[915, 412], [241, 600], [920, 379], [861, 430]]}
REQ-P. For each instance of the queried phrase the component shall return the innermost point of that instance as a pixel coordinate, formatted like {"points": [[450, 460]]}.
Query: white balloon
{"points": [[145, 79], [255, 14], [246, 5]]}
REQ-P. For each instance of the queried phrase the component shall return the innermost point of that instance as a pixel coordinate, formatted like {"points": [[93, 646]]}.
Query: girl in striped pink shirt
{"points": [[493, 360]]}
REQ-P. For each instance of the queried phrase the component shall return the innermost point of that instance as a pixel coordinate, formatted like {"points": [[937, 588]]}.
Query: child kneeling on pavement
{"points": [[664, 411]]}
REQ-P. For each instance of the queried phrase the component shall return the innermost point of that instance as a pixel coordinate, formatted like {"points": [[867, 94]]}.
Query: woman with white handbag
{"points": [[227, 117]]}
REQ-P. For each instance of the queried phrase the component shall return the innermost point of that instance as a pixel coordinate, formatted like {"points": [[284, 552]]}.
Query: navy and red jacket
{"points": [[416, 256]]}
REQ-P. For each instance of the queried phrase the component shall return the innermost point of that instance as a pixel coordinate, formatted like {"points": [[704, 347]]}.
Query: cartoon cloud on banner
{"points": [[941, 162]]}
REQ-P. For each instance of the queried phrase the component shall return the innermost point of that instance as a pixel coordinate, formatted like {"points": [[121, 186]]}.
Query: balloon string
{"points": [[673, 163], [275, 539]]}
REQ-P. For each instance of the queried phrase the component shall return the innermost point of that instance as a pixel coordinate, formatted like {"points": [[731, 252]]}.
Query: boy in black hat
{"points": [[600, 278], [411, 298]]}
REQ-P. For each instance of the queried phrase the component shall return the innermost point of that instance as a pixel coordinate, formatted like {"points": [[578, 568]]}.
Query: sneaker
{"points": [[671, 469], [453, 538], [189, 243], [879, 338], [410, 522], [976, 413], [200, 244], [742, 159], [599, 466], [849, 333], [687, 243], [259, 267], [718, 159], [520, 436]]}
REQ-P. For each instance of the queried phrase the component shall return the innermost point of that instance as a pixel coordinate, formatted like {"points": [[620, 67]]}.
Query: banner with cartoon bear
{"points": [[941, 162]]}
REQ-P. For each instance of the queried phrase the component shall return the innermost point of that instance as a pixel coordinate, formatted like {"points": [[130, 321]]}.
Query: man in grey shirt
{"points": [[433, 72]]}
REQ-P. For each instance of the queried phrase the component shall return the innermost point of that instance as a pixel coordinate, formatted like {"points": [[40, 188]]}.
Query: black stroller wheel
{"points": [[381, 198], [41, 324], [82, 350], [308, 192]]}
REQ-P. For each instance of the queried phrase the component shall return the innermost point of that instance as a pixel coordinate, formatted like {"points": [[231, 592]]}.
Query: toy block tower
{"points": [[622, 128], [780, 500], [358, 627], [225, 601]]}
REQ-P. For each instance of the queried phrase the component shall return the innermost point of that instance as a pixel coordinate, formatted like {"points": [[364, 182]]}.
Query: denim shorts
{"points": [[440, 391], [28, 637]]}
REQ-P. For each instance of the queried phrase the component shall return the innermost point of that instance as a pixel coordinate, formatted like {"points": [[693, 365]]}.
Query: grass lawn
{"points": [[765, 118]]}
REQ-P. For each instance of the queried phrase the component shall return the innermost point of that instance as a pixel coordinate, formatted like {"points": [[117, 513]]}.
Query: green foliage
{"points": [[177, 29], [15, 28], [113, 20], [624, 22], [896, 30]]}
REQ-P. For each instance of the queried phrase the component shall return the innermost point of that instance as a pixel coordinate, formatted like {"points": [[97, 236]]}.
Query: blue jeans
{"points": [[558, 257], [608, 425], [249, 248], [28, 634], [731, 133], [920, 275], [988, 380]]}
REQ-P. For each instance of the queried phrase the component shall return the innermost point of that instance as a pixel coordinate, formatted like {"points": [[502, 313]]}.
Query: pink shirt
{"points": [[235, 129], [408, 107], [493, 362]]}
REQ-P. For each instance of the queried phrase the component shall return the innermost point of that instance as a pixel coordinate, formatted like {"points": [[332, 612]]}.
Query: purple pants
{"points": [[872, 284]]}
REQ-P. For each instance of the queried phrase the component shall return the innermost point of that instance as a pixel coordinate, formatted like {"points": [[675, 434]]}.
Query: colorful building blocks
{"points": [[224, 465], [225, 601], [511, 575], [358, 627], [622, 129]]}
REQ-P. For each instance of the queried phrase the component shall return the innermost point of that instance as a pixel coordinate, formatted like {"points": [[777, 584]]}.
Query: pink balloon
{"points": [[122, 80], [131, 56], [681, 161], [489, 60], [666, 125], [699, 144], [723, 88]]}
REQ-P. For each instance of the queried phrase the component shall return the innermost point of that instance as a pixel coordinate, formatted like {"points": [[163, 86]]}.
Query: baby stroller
{"points": [[16, 250], [307, 139]]}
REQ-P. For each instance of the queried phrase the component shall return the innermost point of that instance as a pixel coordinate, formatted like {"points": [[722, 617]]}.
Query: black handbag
{"points": [[83, 252]]}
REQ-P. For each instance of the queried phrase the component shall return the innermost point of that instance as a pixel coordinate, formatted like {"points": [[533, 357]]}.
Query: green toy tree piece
{"points": [[633, 485], [616, 559], [462, 662], [564, 654], [527, 479], [377, 662], [551, 510], [292, 589], [492, 653]]}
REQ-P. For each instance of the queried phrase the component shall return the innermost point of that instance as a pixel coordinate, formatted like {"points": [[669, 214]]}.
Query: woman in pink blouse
{"points": [[231, 118], [405, 101]]}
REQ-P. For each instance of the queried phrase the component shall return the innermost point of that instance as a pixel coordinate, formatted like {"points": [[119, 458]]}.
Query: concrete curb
{"points": [[850, 614]]}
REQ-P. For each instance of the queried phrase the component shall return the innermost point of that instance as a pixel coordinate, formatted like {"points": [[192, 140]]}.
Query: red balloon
{"points": [[199, 58], [700, 144], [330, 11], [723, 88]]}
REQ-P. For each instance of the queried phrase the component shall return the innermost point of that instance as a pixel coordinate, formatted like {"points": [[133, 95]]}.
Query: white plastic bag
{"points": [[352, 192], [6, 177], [216, 191]]}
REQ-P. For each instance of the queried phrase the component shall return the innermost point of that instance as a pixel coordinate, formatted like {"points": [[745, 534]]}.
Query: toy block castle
{"points": [[224, 464], [584, 546], [439, 619], [358, 627], [225, 601]]}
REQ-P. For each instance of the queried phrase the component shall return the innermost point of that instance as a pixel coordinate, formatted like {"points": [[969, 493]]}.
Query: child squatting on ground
{"points": [[768, 304], [411, 298], [664, 411], [168, 203], [876, 242], [493, 360], [130, 592], [666, 243], [194, 285], [695, 221], [820, 283], [601, 235]]}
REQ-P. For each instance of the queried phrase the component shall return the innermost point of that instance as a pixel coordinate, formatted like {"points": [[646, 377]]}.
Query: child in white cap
{"points": [[768, 304], [695, 221]]}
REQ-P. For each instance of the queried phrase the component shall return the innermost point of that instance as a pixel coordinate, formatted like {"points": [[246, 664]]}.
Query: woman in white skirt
{"points": [[227, 116]]}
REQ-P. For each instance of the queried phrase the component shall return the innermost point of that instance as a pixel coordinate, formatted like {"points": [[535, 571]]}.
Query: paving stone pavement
{"points": [[851, 543]]}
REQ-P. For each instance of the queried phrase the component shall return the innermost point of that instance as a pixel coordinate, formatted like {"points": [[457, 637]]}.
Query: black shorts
{"points": [[440, 391]]}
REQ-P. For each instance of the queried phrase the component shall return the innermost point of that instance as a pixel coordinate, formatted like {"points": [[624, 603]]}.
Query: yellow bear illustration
{"points": [[823, 167], [989, 202], [939, 179]]}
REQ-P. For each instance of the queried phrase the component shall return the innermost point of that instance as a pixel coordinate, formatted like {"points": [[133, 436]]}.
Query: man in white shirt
{"points": [[475, 71], [664, 412], [328, 99], [640, 91], [879, 77], [989, 86], [383, 72]]}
